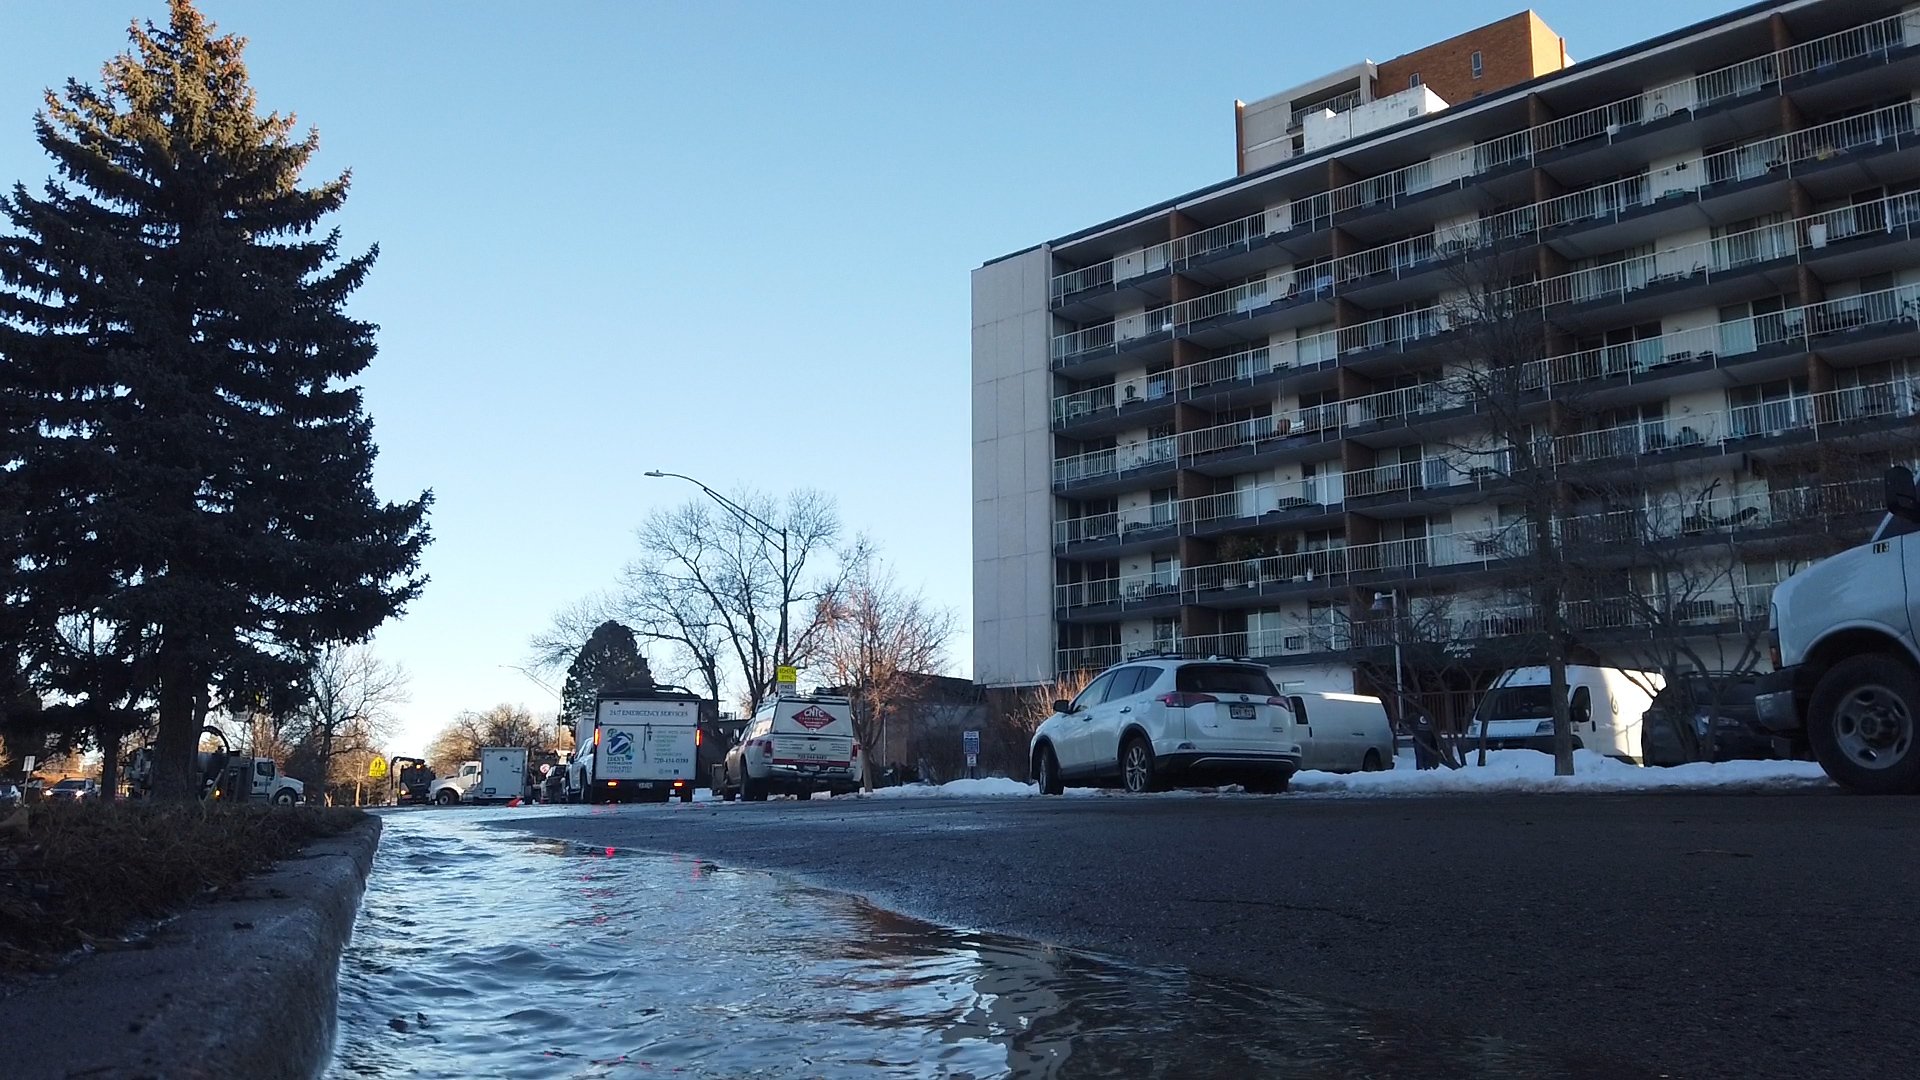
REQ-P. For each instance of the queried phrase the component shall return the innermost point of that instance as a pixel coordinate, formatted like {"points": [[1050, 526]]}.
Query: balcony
{"points": [[1834, 413], [1876, 41], [1101, 465], [1137, 523], [1091, 658], [1116, 405], [1158, 589], [1150, 525], [1111, 339], [1891, 219]]}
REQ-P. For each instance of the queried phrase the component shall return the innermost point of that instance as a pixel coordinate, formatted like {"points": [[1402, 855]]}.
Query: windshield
{"points": [[70, 785], [1225, 679], [1515, 703]]}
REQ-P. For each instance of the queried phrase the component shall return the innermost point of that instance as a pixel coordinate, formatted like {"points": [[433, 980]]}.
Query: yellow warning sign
{"points": [[377, 768]]}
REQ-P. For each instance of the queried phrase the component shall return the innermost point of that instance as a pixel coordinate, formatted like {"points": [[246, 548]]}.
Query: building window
{"points": [[1413, 80], [1477, 66]]}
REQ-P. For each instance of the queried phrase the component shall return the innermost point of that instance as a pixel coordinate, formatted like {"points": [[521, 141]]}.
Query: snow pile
{"points": [[988, 785], [1530, 770]]}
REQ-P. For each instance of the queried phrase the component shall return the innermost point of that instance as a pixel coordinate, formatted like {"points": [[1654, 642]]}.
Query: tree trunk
{"points": [[326, 758], [109, 761], [1557, 691], [174, 775]]}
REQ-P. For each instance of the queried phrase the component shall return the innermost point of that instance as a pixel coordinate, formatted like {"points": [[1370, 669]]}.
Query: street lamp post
{"points": [[1392, 601], [768, 533]]}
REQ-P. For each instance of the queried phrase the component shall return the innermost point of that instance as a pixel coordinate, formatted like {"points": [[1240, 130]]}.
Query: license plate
{"points": [[645, 783], [1240, 712]]}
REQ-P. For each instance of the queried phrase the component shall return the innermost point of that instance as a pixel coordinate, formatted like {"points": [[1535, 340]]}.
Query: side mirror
{"points": [[1063, 706], [1902, 502]]}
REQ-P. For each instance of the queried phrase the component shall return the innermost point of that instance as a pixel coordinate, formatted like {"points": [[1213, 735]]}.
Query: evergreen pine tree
{"points": [[610, 660], [190, 459]]}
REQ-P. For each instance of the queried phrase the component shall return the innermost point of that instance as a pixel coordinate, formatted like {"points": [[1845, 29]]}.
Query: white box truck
{"points": [[1846, 664], [499, 776], [642, 745]]}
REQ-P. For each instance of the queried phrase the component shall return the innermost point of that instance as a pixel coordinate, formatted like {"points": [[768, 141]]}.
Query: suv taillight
{"points": [[1773, 648], [1180, 699]]}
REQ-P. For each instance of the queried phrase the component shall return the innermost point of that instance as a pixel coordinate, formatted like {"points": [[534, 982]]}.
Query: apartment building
{"points": [[1259, 419]]}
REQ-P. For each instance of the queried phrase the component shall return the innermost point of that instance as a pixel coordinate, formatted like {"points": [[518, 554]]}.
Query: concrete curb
{"points": [[243, 987]]}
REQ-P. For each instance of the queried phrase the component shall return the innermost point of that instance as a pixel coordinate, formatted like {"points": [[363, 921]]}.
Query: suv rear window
{"points": [[1224, 679]]}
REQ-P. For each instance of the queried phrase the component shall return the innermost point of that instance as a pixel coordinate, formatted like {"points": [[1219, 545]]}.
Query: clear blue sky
{"points": [[726, 239]]}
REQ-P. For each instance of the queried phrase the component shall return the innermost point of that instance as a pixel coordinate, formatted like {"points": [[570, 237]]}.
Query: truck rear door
{"points": [[646, 740], [815, 735]]}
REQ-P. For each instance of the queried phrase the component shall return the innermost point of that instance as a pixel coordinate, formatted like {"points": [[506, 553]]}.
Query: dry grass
{"points": [[85, 875]]}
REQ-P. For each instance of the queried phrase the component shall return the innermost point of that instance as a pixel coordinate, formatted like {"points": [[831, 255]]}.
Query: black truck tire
{"points": [[1862, 723]]}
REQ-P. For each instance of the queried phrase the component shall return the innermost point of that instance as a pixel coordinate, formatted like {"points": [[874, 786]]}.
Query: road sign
{"points": [[785, 679], [377, 768], [973, 761], [971, 741]]}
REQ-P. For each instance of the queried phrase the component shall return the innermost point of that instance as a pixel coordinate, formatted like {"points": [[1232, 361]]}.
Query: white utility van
{"points": [[499, 776], [1342, 732], [640, 745], [795, 745], [1605, 709]]}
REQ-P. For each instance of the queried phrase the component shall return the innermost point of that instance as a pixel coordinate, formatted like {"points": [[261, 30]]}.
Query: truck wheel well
{"points": [[1854, 643]]}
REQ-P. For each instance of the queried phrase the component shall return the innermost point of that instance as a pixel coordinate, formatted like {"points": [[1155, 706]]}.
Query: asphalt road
{"points": [[1738, 936]]}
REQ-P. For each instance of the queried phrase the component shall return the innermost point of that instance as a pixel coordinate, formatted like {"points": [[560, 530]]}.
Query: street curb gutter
{"points": [[245, 986]]}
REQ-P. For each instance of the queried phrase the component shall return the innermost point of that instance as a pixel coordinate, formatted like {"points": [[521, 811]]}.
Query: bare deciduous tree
{"points": [[501, 725], [718, 590], [1495, 345], [349, 709], [880, 639]]}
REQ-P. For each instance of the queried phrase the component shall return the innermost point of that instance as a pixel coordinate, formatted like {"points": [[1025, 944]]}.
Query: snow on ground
{"points": [[1531, 771], [1506, 771], [988, 785]]}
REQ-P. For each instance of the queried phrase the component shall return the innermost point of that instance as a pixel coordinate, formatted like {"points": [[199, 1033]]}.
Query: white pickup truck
{"points": [[1847, 669]]}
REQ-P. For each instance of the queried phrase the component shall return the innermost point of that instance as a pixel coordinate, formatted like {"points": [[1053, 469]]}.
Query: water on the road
{"points": [[482, 953]]}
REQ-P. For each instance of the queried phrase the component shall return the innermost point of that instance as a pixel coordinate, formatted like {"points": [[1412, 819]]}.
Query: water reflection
{"points": [[484, 954]]}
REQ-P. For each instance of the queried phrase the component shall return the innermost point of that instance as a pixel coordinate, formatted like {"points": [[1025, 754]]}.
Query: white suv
{"points": [[1150, 722]]}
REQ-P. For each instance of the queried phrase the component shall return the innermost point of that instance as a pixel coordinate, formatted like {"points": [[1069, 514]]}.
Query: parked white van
{"points": [[1342, 732], [1605, 708]]}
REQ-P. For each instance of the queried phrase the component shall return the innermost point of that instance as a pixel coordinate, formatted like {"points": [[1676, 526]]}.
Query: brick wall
{"points": [[1513, 50]]}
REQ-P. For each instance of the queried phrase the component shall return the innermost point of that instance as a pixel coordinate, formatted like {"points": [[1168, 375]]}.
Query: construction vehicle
{"points": [[412, 779], [224, 775]]}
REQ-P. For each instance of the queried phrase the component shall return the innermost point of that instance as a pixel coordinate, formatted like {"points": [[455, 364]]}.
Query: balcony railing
{"points": [[1088, 658], [1157, 586], [1899, 306], [1609, 201], [1407, 401], [1070, 407], [1112, 462], [1118, 332], [1797, 413], [1610, 120]]}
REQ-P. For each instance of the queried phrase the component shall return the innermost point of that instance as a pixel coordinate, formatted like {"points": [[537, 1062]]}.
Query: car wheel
{"points": [[1046, 771], [283, 798], [1373, 762], [751, 791], [446, 797], [1136, 766], [686, 794], [1862, 722]]}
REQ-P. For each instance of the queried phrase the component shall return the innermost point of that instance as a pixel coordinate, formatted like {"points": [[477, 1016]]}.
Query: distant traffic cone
{"points": [[515, 801]]}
